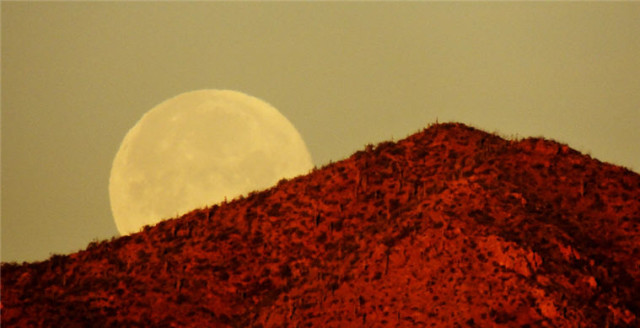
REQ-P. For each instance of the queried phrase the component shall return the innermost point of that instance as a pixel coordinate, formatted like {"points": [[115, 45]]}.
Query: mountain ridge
{"points": [[451, 225]]}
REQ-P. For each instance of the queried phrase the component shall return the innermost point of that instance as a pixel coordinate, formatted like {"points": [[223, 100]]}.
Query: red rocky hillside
{"points": [[450, 227]]}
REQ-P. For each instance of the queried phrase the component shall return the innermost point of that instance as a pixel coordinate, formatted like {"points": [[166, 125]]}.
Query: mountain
{"points": [[450, 227]]}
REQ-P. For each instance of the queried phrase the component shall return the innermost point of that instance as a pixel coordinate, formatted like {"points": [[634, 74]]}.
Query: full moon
{"points": [[197, 149]]}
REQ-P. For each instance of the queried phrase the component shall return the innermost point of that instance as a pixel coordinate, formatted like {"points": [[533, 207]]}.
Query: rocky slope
{"points": [[450, 227]]}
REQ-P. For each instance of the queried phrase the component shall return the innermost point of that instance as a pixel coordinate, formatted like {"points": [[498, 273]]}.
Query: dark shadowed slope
{"points": [[449, 227]]}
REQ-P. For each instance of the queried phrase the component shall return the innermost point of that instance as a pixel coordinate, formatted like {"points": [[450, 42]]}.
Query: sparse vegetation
{"points": [[448, 227]]}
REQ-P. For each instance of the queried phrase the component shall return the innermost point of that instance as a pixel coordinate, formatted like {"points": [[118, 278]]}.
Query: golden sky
{"points": [[77, 75]]}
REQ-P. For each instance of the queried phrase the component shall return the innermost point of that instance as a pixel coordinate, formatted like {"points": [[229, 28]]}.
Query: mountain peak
{"points": [[449, 226]]}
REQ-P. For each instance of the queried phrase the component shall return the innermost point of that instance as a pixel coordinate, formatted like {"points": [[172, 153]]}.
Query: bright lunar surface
{"points": [[197, 148]]}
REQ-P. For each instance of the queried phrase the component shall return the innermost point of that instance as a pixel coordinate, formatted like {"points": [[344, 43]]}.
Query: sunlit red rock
{"points": [[450, 227]]}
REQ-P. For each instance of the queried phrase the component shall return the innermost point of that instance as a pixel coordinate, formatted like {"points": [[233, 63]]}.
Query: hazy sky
{"points": [[77, 76]]}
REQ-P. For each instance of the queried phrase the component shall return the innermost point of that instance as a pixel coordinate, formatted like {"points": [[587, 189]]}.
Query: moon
{"points": [[197, 149]]}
